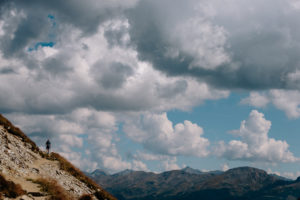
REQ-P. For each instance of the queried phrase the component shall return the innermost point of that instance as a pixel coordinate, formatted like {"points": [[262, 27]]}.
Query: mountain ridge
{"points": [[189, 184]]}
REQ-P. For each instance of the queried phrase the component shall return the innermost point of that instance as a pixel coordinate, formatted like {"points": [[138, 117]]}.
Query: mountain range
{"points": [[243, 183]]}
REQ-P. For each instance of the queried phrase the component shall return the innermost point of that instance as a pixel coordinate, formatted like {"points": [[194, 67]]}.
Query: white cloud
{"points": [[46, 125], [256, 99], [69, 132], [291, 175], [106, 121], [286, 100], [71, 140], [295, 4], [170, 164], [64, 91], [150, 157], [225, 167], [59, 92], [139, 165], [87, 72], [203, 41], [229, 44], [255, 145], [166, 162], [269, 171], [157, 134], [79, 160], [115, 163]]}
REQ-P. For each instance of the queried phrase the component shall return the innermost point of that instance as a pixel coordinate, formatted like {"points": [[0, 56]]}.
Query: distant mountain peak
{"points": [[191, 170], [187, 167], [246, 169], [98, 172]]}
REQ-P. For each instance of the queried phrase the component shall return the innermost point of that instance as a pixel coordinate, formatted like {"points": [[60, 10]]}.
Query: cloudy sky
{"points": [[156, 85]]}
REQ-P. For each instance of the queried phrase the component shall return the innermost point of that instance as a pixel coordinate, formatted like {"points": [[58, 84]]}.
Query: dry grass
{"points": [[85, 197], [67, 166], [10, 189], [52, 188], [100, 195], [17, 132]]}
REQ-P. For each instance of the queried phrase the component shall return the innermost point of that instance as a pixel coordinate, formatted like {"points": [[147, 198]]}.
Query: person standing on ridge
{"points": [[48, 146]]}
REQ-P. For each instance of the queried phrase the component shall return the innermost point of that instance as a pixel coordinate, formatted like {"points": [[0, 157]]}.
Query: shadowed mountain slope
{"points": [[189, 184]]}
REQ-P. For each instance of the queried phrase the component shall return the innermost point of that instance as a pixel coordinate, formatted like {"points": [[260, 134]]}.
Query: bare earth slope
{"points": [[24, 164]]}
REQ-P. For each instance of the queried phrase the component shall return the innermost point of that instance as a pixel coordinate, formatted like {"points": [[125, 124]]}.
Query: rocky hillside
{"points": [[28, 173], [188, 184]]}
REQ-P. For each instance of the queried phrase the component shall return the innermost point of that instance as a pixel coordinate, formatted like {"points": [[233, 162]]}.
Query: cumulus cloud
{"points": [[83, 15], [256, 99], [86, 137], [201, 40], [291, 175], [66, 66], [67, 91], [170, 164], [149, 156], [216, 44], [67, 129], [166, 162], [255, 144], [286, 100], [205, 40], [48, 125], [157, 134], [79, 160], [83, 71]]}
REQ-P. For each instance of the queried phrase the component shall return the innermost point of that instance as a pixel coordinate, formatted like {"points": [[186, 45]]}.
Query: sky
{"points": [[156, 85]]}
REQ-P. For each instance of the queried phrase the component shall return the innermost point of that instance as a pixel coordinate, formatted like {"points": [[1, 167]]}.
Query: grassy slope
{"points": [[9, 188]]}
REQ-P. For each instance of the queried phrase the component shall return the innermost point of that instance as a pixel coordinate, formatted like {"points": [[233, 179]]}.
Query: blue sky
{"points": [[156, 85], [218, 118]]}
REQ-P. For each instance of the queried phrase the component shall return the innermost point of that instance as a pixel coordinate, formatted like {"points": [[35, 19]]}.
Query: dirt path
{"points": [[37, 172]]}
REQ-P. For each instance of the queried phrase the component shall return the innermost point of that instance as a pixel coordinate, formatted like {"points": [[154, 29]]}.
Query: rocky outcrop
{"points": [[23, 163]]}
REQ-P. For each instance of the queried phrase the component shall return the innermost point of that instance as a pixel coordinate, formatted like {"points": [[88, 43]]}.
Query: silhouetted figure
{"points": [[48, 146]]}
